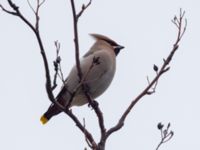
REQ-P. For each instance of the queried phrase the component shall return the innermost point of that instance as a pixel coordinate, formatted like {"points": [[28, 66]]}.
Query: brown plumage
{"points": [[97, 79]]}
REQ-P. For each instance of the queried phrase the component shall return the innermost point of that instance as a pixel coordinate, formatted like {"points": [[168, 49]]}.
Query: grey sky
{"points": [[145, 29]]}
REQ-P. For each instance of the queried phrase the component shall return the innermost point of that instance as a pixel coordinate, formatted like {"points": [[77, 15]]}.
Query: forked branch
{"points": [[179, 21], [166, 134], [16, 12], [181, 26], [80, 75]]}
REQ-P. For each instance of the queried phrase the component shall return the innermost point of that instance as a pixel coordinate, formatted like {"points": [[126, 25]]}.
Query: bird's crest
{"points": [[103, 37]]}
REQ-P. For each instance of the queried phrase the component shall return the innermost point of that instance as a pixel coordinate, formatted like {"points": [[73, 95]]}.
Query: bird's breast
{"points": [[97, 76], [101, 75]]}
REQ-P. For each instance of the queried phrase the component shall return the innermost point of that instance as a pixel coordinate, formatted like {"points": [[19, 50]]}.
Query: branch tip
{"points": [[83, 8], [166, 135], [152, 84]]}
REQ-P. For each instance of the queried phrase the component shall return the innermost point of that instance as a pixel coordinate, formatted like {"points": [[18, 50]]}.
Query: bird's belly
{"points": [[99, 86], [95, 89]]}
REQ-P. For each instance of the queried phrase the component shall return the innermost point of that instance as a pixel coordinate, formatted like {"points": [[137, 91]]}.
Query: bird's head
{"points": [[112, 43]]}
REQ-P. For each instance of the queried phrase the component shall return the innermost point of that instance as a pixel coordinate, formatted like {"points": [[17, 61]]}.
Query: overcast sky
{"points": [[145, 29]]}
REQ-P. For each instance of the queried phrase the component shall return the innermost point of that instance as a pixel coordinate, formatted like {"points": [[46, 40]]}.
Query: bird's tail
{"points": [[52, 111]]}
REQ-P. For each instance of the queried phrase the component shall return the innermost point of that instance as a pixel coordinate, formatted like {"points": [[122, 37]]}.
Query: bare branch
{"points": [[166, 135], [57, 66], [7, 11], [55, 78], [80, 75], [84, 7], [153, 88], [42, 51], [58, 61], [35, 29], [36, 12], [41, 3], [76, 40], [164, 68], [29, 4], [81, 127], [84, 125], [61, 76], [83, 81]]}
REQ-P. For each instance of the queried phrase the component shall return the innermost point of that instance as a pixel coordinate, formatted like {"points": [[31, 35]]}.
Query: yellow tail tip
{"points": [[44, 120]]}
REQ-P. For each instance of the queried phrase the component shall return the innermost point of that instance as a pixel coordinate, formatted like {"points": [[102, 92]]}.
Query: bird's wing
{"points": [[95, 65], [92, 75]]}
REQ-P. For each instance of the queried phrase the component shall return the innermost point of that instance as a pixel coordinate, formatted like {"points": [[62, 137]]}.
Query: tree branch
{"points": [[84, 7], [166, 135], [178, 21], [35, 29], [36, 12], [7, 11], [42, 51], [80, 75], [76, 40], [57, 66]]}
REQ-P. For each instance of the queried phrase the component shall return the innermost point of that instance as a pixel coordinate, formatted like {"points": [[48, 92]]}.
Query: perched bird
{"points": [[97, 78]]}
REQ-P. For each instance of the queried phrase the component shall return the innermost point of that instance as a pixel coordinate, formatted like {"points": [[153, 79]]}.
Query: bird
{"points": [[96, 78]]}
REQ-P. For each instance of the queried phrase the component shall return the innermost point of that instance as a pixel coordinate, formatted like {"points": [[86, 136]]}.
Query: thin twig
{"points": [[61, 76], [91, 102], [163, 69], [76, 40], [36, 12], [54, 80], [80, 75], [7, 11], [58, 61], [81, 127], [84, 125], [166, 135], [153, 88], [104, 134], [35, 30], [83, 81], [30, 5], [57, 66], [84, 7]]}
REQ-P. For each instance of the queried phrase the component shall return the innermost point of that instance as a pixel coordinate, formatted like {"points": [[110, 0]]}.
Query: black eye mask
{"points": [[117, 49]]}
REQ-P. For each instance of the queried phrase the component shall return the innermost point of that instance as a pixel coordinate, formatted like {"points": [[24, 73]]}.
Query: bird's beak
{"points": [[120, 47], [117, 49]]}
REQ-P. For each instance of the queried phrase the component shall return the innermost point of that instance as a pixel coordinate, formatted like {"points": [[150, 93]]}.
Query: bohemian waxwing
{"points": [[98, 78]]}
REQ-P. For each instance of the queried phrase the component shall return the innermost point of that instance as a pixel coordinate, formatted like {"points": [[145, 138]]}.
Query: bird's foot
{"points": [[93, 104]]}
